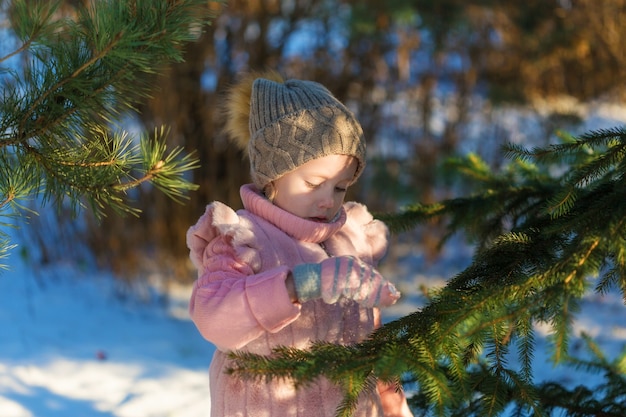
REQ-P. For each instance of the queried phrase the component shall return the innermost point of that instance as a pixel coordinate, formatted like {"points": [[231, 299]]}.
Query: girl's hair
{"points": [[270, 191]]}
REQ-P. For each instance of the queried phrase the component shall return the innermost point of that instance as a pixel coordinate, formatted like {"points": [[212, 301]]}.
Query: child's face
{"points": [[316, 190]]}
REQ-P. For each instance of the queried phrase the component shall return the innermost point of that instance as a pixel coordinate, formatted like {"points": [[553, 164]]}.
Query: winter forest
{"points": [[496, 147]]}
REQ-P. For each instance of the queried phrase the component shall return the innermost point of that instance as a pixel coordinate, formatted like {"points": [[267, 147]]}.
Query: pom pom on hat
{"points": [[284, 124], [237, 107]]}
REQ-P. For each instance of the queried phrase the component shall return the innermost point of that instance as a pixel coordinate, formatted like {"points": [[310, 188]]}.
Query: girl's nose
{"points": [[326, 201]]}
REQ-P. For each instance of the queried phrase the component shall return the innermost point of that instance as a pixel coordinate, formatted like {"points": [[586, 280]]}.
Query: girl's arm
{"points": [[231, 304], [393, 401], [231, 308], [391, 395]]}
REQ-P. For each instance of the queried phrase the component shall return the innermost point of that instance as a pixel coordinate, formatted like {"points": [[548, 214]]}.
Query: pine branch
{"points": [[62, 104]]}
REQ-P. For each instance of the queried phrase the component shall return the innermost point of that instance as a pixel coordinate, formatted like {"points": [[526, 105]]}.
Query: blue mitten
{"points": [[344, 276]]}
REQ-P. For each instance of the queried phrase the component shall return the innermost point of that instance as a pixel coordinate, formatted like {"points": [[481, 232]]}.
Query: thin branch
{"points": [[19, 50], [88, 164], [95, 58], [582, 260], [8, 198], [64, 81], [147, 177]]}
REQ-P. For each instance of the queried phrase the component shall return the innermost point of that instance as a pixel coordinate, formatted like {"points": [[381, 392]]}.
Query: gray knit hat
{"points": [[294, 122]]}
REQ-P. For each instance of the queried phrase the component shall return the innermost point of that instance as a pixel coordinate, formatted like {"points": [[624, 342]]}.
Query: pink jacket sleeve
{"points": [[392, 396], [367, 237], [231, 304], [393, 400]]}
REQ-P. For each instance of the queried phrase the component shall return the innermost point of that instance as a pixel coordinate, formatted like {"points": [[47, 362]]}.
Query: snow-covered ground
{"points": [[73, 345]]}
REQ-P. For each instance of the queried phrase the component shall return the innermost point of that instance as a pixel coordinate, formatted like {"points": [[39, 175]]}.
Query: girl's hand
{"points": [[344, 276]]}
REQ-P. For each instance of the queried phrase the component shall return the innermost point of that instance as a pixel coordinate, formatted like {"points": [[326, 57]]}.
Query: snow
{"points": [[74, 343]]}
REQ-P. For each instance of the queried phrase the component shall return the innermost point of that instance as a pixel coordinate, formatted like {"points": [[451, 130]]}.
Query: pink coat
{"points": [[240, 301]]}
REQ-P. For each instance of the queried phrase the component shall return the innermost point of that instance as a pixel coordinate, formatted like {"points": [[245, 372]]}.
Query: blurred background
{"points": [[428, 79]]}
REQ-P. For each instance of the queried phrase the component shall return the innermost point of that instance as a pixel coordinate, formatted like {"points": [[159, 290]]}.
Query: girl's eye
{"points": [[315, 186]]}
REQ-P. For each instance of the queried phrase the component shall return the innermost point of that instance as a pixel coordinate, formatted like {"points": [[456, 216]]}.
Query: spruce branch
{"points": [[533, 264], [608, 398]]}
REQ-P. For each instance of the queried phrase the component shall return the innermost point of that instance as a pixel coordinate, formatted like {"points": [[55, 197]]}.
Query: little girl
{"points": [[296, 265]]}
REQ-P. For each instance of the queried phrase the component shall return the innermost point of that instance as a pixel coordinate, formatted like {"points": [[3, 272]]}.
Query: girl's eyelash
{"points": [[338, 189]]}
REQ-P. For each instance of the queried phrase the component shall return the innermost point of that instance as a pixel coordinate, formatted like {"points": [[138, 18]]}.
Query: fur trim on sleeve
{"points": [[219, 220], [372, 235]]}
